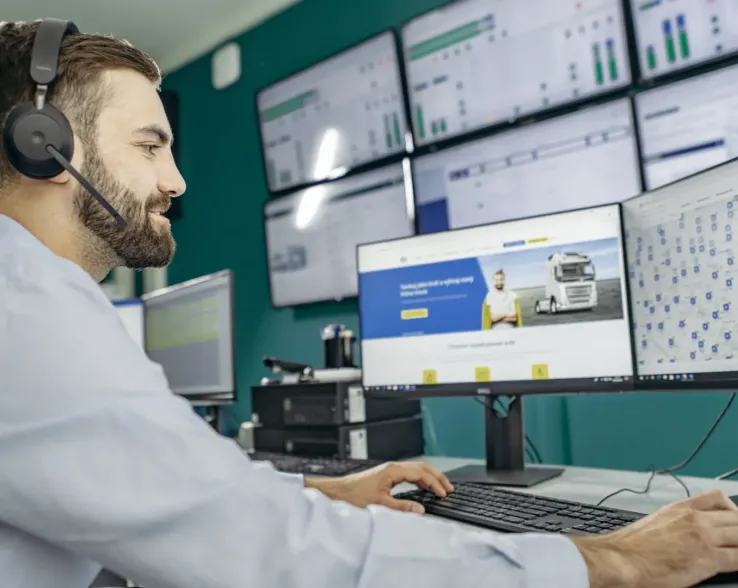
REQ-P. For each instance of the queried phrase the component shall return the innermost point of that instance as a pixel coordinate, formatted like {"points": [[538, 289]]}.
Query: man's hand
{"points": [[678, 546], [374, 486]]}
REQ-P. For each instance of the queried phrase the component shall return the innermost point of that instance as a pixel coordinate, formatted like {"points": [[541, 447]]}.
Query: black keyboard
{"points": [[516, 512], [318, 466]]}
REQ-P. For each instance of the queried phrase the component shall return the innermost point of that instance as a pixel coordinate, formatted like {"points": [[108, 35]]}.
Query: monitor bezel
{"points": [[315, 301], [206, 398], [623, 89], [500, 135], [349, 170], [704, 380], [515, 387]]}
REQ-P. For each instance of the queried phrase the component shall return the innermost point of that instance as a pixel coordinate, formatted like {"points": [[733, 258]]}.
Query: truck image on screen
{"points": [[570, 284]]}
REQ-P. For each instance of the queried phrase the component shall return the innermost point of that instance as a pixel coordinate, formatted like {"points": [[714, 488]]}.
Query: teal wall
{"points": [[222, 227]]}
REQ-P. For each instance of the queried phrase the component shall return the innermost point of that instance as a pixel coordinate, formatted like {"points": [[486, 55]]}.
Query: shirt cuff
{"points": [[550, 560]]}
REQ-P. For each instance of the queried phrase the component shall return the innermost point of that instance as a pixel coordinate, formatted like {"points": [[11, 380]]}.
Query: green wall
{"points": [[222, 227]]}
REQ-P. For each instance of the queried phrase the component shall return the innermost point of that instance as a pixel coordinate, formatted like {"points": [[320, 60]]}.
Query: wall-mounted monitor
{"points": [[475, 63], [311, 235], [688, 126], [675, 34], [344, 112], [583, 159]]}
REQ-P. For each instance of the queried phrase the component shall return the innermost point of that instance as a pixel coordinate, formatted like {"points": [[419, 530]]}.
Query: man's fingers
{"points": [[415, 473], [445, 482], [727, 559], [403, 505], [712, 500]]}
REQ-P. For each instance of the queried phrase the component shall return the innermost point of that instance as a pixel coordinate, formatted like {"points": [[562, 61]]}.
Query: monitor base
{"points": [[525, 478]]}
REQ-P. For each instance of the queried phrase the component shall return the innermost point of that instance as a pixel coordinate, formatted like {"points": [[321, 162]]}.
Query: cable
{"points": [[670, 471], [727, 475], [702, 443], [533, 449]]}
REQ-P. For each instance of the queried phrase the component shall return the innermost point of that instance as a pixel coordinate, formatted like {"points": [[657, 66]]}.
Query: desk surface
{"points": [[589, 486]]}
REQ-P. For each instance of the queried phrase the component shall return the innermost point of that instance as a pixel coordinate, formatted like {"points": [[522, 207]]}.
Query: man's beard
{"points": [[141, 244], [500, 286]]}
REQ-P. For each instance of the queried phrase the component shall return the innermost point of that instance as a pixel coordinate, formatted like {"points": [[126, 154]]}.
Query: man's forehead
{"points": [[134, 104]]}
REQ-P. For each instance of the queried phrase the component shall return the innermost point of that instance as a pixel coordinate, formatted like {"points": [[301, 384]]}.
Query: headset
{"points": [[37, 137]]}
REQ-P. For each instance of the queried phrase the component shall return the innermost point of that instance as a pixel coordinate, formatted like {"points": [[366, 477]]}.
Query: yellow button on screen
{"points": [[430, 377], [540, 371], [482, 374], [414, 313]]}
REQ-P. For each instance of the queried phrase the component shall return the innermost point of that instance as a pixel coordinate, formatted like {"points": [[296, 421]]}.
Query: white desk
{"points": [[589, 486]]}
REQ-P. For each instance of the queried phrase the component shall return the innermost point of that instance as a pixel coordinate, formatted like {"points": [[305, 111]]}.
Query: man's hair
{"points": [[78, 90], [499, 272]]}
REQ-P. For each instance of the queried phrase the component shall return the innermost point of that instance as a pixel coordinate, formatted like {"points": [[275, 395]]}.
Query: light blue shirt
{"points": [[101, 465]]}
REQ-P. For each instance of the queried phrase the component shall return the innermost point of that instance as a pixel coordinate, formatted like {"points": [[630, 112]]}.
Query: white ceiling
{"points": [[173, 32]]}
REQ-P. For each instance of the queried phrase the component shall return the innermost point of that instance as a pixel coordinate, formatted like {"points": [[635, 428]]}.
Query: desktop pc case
{"points": [[323, 404], [385, 440]]}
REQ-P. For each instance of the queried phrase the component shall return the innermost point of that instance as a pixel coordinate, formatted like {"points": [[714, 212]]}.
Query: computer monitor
{"points": [[688, 126], [675, 34], [190, 333], [529, 306], [131, 314], [583, 159], [342, 113], [311, 236], [681, 258], [475, 63]]}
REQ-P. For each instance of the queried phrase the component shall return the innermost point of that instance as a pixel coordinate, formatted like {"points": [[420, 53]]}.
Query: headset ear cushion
{"points": [[27, 133]]}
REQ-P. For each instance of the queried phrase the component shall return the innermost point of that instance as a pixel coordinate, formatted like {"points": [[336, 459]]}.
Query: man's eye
{"points": [[150, 148]]}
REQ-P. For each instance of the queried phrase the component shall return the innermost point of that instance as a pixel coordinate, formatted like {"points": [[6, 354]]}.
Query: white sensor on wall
{"points": [[226, 65]]}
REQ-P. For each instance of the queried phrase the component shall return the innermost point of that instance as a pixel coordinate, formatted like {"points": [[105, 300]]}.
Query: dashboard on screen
{"points": [[681, 267], [584, 159], [676, 34], [312, 235], [688, 126], [344, 112], [474, 63], [533, 305]]}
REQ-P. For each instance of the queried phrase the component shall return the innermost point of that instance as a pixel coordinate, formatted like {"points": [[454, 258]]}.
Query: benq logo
{"points": [[484, 391]]}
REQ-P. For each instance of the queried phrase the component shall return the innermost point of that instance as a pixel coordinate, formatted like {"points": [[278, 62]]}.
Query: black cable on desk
{"points": [[670, 471]]}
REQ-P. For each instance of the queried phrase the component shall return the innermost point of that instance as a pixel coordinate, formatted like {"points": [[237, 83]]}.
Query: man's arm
{"points": [[98, 457]]}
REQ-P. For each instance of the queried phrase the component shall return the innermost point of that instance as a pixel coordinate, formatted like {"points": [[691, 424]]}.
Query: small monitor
{"points": [[688, 126], [527, 306], [131, 313], [584, 159], [676, 34], [475, 63], [189, 332], [311, 236], [682, 254], [342, 113]]}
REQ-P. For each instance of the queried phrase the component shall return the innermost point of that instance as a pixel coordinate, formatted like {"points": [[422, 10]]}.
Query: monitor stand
{"points": [[505, 451]]}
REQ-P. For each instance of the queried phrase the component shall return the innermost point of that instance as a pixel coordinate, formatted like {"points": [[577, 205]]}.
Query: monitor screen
{"points": [[131, 314], [343, 112], [679, 244], [534, 305], [688, 126], [675, 34], [474, 63], [311, 236], [581, 160], [189, 332]]}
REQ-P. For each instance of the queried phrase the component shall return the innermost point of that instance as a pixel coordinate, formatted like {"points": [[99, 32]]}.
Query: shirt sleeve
{"points": [[98, 457]]}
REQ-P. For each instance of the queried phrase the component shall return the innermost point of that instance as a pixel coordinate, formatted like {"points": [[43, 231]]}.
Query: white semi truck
{"points": [[570, 284]]}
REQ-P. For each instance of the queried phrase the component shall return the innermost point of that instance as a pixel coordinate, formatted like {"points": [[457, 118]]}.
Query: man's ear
{"points": [[62, 178]]}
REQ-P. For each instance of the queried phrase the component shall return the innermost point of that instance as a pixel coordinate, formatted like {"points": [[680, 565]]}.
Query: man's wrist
{"points": [[332, 487], [608, 564]]}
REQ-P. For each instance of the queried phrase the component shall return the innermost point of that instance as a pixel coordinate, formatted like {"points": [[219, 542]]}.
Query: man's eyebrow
{"points": [[162, 135]]}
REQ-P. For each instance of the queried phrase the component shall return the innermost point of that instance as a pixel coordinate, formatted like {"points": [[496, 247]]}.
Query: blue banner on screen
{"points": [[429, 299]]}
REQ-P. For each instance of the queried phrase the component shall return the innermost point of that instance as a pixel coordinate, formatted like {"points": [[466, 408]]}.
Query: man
{"points": [[501, 307], [100, 465]]}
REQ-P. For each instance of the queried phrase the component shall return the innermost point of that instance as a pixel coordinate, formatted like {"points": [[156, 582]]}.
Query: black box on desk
{"points": [[323, 404], [386, 440]]}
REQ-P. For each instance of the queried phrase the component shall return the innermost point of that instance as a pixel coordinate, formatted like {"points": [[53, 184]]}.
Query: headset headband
{"points": [[45, 53]]}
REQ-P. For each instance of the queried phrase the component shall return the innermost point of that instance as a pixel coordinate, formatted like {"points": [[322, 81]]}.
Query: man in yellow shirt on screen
{"points": [[501, 307]]}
